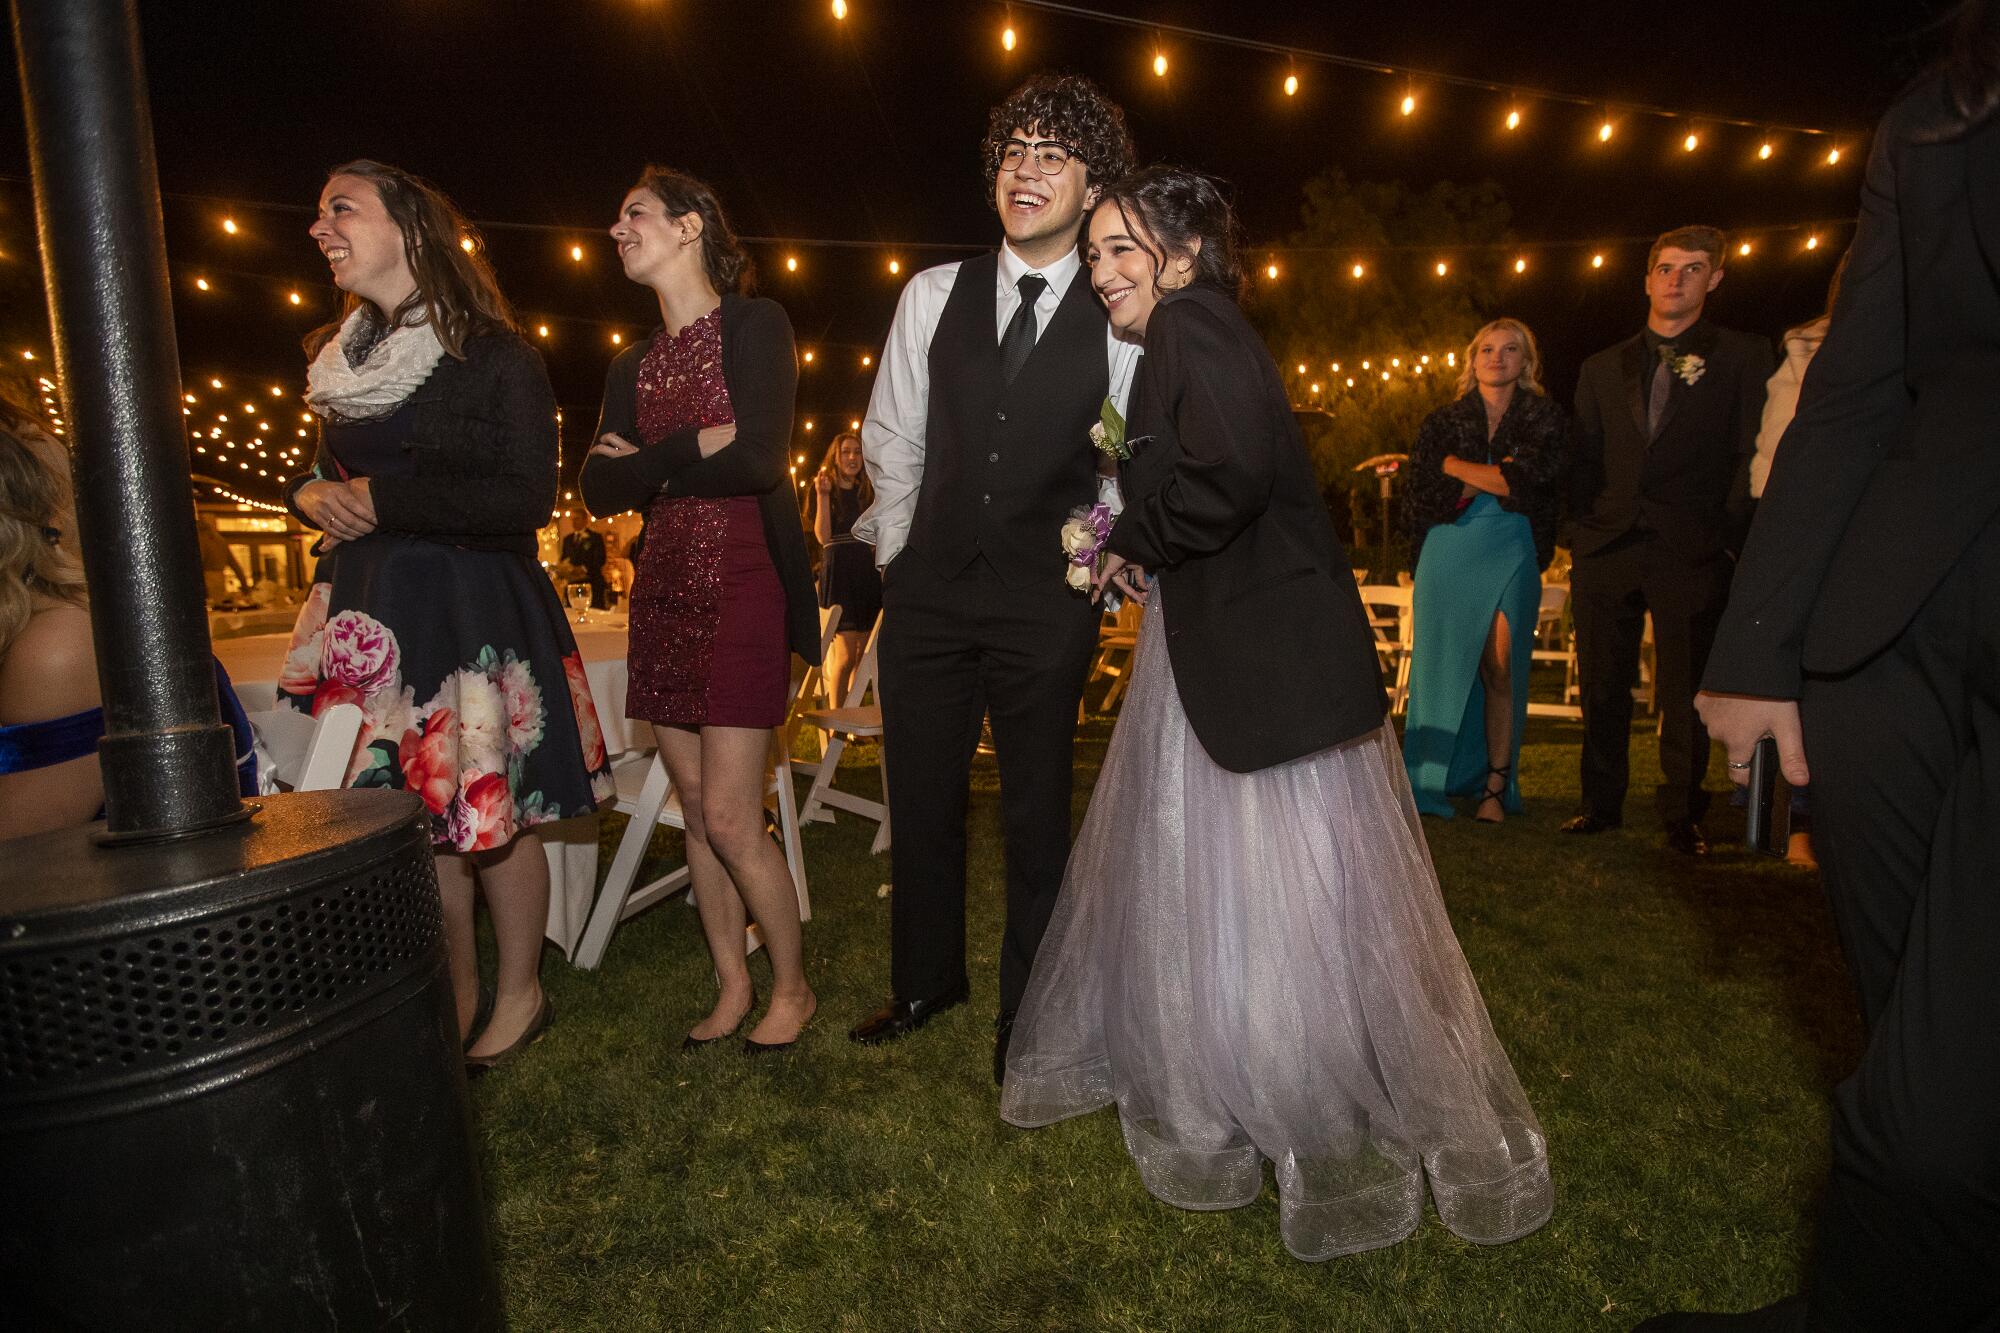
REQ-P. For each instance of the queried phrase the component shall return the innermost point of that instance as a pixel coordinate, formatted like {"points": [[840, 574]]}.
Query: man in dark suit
{"points": [[978, 442], [1666, 426], [1863, 632]]}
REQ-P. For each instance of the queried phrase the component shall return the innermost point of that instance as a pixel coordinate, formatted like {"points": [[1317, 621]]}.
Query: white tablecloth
{"points": [[255, 661]]}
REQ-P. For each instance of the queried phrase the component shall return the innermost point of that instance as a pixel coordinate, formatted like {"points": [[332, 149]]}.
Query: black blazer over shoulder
{"points": [[484, 452], [1269, 642], [1691, 484], [1531, 447], [1891, 467], [760, 366]]}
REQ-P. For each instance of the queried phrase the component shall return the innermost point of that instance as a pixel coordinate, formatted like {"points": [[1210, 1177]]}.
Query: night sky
{"points": [[866, 131]]}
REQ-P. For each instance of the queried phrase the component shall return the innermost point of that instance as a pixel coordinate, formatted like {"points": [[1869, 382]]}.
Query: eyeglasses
{"points": [[1050, 156]]}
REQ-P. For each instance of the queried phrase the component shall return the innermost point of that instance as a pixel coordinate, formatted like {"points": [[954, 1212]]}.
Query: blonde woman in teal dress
{"points": [[1484, 494]]}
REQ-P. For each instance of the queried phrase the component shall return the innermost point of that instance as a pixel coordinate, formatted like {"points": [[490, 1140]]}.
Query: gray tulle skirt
{"points": [[1258, 966]]}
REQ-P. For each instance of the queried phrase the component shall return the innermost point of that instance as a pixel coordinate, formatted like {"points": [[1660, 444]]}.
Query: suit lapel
{"points": [[1632, 362], [1982, 187]]}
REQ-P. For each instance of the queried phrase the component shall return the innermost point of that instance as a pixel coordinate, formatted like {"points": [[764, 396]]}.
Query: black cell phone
{"points": [[1760, 829]]}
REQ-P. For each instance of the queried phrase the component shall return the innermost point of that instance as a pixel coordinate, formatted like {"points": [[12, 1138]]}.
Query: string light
{"points": [[465, 243], [187, 397], [295, 298], [1442, 268], [867, 361], [840, 9], [229, 225], [1692, 142], [895, 267], [854, 425], [541, 330], [1743, 249], [1357, 270], [1302, 367], [808, 356], [1812, 242], [215, 384], [1291, 85], [1271, 271], [1160, 65], [201, 284], [791, 263], [1514, 120], [1597, 261], [1604, 132], [1007, 38], [576, 253], [1409, 104], [1832, 156], [1315, 387], [617, 339], [1521, 265], [277, 391], [1764, 151]]}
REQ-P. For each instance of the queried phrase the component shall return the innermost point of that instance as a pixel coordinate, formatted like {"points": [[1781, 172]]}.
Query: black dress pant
{"points": [[1905, 756], [954, 649], [1611, 590]]}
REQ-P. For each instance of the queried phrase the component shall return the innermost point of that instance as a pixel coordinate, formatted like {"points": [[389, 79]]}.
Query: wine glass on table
{"points": [[578, 596]]}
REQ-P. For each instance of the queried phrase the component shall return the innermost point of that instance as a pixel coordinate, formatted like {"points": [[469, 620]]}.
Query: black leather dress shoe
{"points": [[1003, 1033], [899, 1018], [1588, 823], [1686, 838]]}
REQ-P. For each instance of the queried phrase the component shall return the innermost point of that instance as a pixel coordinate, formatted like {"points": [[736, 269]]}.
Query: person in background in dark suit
{"points": [[1863, 634], [1666, 426], [1250, 956]]}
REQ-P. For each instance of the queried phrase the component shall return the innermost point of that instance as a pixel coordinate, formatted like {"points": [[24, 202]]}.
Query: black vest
{"points": [[1003, 467]]}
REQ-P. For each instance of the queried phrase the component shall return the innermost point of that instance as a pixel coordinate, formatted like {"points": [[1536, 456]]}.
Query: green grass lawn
{"points": [[1676, 1026]]}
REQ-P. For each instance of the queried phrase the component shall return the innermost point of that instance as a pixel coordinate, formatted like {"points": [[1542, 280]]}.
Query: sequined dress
{"points": [[708, 610]]}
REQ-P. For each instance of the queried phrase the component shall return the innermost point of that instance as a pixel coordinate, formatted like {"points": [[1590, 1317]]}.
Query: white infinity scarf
{"points": [[378, 386]]}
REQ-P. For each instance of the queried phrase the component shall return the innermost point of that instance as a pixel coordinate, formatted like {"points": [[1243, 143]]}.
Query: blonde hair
{"points": [[1531, 361], [38, 560]]}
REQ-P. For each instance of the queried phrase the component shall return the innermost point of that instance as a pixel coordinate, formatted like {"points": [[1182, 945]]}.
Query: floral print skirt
{"points": [[471, 689]]}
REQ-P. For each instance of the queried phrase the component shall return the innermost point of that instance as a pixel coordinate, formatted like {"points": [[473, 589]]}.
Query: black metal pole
{"points": [[167, 758]]}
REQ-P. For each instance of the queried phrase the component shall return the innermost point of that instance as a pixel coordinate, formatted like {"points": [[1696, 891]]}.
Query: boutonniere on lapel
{"points": [[1687, 365], [1109, 433]]}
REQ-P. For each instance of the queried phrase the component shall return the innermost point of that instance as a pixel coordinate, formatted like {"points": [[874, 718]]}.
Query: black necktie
{"points": [[1019, 340], [1656, 401]]}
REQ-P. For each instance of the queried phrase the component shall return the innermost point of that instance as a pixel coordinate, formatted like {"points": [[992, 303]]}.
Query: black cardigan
{"points": [[1531, 447], [761, 370], [484, 452]]}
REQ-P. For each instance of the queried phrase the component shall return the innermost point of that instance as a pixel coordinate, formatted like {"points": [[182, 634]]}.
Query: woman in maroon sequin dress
{"points": [[695, 432]]}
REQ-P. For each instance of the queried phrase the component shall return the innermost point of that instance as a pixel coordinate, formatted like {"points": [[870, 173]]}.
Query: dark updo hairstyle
{"points": [[1070, 109], [724, 258], [1167, 210], [456, 292]]}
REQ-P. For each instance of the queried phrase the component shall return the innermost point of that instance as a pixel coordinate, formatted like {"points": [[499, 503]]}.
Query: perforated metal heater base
{"points": [[231, 1095]]}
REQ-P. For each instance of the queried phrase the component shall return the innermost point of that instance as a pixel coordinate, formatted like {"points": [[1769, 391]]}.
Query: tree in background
{"points": [[1317, 314]]}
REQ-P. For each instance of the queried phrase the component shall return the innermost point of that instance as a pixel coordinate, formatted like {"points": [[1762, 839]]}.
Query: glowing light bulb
{"points": [[854, 425], [541, 330], [576, 253], [1442, 268], [1513, 120], [465, 244], [1007, 40], [1357, 270], [1396, 361], [1160, 66], [295, 298], [1291, 85], [1520, 266], [187, 397], [229, 225], [1385, 374], [1334, 367], [1832, 156], [808, 357], [215, 384], [1743, 249], [1271, 271], [1604, 132], [867, 361], [201, 284], [1365, 365], [1597, 261], [1424, 359], [1302, 367], [1812, 242], [895, 267], [617, 339], [840, 9], [809, 425], [1350, 381], [1409, 105], [1764, 152], [277, 391], [791, 263], [1315, 388]]}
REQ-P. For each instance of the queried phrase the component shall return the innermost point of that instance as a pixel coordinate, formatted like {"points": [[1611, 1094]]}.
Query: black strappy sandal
{"points": [[1490, 795]]}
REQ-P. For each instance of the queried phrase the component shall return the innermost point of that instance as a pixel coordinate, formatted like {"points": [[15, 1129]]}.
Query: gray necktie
{"points": [[1018, 342], [1656, 401]]}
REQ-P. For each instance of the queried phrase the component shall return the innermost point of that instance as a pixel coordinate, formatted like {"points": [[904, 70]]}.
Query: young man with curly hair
{"points": [[978, 442]]}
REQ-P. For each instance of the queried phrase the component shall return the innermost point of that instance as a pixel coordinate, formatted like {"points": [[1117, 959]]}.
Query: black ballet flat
{"points": [[478, 1066], [692, 1043], [770, 1047], [482, 1014]]}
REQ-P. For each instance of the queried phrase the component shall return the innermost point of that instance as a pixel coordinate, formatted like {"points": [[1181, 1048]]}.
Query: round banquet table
{"points": [[255, 661]]}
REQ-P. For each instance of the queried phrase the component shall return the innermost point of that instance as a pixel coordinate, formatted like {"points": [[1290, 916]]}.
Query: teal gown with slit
{"points": [[1479, 564]]}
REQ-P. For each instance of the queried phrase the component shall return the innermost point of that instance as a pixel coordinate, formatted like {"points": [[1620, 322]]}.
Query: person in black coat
{"points": [[1863, 633], [436, 465], [1666, 426], [695, 431], [1250, 956]]}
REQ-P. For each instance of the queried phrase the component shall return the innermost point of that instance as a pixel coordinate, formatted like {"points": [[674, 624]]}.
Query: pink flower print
{"points": [[482, 816], [524, 706], [587, 729], [429, 756], [359, 651], [300, 674]]}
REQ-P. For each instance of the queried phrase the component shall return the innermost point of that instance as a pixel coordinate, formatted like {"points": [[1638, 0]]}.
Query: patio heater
{"points": [[231, 1093]]}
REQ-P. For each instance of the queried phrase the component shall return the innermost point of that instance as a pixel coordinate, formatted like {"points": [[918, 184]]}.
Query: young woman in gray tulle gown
{"points": [[1250, 956]]}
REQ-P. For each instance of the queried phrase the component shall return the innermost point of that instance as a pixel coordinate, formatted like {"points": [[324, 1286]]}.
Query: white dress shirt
{"points": [[892, 435]]}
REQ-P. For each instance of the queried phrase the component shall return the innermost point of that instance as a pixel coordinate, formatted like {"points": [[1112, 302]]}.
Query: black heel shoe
{"points": [[692, 1043], [1490, 795]]}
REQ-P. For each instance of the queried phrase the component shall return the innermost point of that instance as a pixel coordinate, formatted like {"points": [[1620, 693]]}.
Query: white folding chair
{"points": [[334, 734], [305, 753], [1390, 615], [1556, 642], [643, 791], [852, 721]]}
